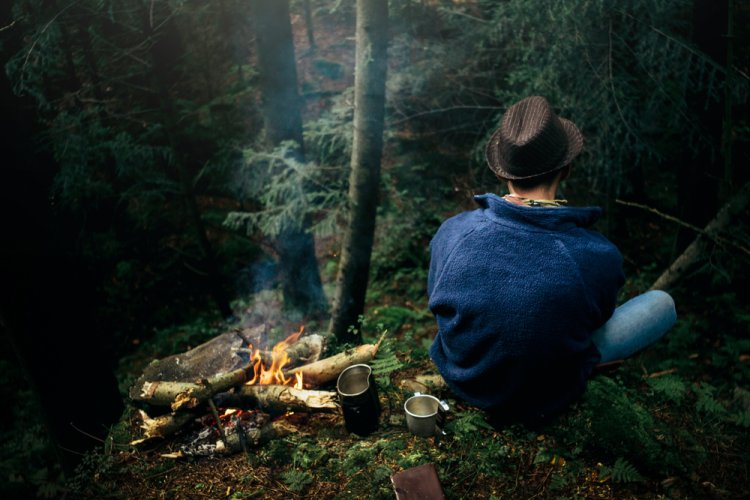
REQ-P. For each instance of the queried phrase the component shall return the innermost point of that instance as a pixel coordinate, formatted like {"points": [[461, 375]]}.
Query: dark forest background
{"points": [[148, 200]]}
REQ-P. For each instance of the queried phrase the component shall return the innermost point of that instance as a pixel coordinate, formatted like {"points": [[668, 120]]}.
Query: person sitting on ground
{"points": [[523, 291]]}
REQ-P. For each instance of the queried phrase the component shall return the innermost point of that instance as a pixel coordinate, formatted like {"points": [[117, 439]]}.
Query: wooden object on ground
{"points": [[180, 395], [307, 349], [424, 383], [420, 482], [239, 437], [279, 399], [161, 426], [697, 249], [328, 369], [187, 379]]}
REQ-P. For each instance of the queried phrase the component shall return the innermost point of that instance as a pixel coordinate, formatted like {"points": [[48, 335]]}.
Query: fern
{"points": [[741, 419], [385, 363], [671, 387], [468, 423], [706, 402], [622, 472], [296, 480]]}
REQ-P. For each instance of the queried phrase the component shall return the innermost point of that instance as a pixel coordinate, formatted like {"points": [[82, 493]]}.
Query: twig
{"points": [[380, 341], [9, 26], [661, 373], [215, 413], [241, 434], [440, 110], [54, 18], [95, 438], [717, 239]]}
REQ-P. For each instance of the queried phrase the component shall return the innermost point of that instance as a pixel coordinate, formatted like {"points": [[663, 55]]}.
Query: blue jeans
{"points": [[637, 323]]}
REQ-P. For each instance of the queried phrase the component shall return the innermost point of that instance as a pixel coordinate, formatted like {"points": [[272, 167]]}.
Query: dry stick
{"points": [[717, 239], [162, 426], [215, 413], [661, 373], [695, 250]]}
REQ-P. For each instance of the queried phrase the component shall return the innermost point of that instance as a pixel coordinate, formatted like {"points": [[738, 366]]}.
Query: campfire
{"points": [[279, 359], [237, 395]]}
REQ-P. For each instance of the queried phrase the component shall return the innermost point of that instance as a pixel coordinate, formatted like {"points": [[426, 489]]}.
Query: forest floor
{"points": [[670, 423]]}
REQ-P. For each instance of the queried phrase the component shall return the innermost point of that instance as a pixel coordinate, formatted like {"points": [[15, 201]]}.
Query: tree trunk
{"points": [[309, 25], [281, 112], [364, 179], [696, 250]]}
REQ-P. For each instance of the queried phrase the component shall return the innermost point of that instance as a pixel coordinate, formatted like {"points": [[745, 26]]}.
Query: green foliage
{"points": [[97, 466], [622, 472], [296, 480], [467, 423], [621, 426], [670, 387], [619, 67], [385, 363], [706, 402], [28, 462], [289, 192], [392, 317]]}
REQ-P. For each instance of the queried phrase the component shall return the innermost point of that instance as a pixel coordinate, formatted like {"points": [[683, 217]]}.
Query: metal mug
{"points": [[359, 399], [425, 414]]}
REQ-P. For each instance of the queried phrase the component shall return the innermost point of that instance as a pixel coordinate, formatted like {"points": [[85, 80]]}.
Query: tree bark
{"points": [[300, 277], [697, 249], [328, 369], [180, 395], [309, 24], [364, 179], [280, 399]]}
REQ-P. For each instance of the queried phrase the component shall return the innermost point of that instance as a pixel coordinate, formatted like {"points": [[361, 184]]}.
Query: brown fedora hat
{"points": [[532, 141]]}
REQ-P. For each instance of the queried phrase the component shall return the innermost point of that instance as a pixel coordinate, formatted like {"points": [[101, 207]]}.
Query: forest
{"points": [[176, 172]]}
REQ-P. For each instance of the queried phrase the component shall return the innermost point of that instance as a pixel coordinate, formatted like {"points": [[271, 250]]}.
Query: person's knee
{"points": [[665, 303]]}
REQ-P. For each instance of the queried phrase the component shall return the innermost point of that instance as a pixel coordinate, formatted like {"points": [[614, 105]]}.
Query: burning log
{"points": [[181, 395], [328, 369], [305, 350], [279, 399], [161, 426], [240, 436]]}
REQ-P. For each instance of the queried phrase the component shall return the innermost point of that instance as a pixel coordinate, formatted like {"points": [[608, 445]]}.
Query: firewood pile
{"points": [[226, 395]]}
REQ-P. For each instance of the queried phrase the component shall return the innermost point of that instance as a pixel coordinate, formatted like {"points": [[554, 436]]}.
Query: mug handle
{"points": [[443, 409]]}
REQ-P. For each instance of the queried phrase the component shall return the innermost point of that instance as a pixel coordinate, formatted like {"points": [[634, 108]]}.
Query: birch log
{"points": [[279, 399], [697, 249], [181, 395], [162, 426], [328, 369]]}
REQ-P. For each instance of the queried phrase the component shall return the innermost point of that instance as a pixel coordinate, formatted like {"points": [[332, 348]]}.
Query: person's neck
{"points": [[537, 193]]}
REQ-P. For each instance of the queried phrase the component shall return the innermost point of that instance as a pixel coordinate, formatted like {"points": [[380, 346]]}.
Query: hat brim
{"points": [[498, 166]]}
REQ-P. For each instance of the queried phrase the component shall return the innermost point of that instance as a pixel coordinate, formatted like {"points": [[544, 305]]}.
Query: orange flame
{"points": [[279, 359]]}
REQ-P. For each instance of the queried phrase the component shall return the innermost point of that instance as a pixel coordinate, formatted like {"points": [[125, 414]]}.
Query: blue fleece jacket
{"points": [[517, 292]]}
